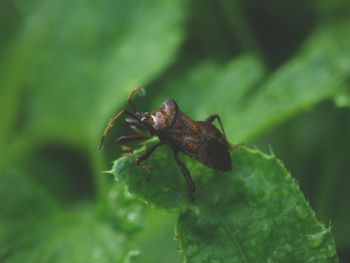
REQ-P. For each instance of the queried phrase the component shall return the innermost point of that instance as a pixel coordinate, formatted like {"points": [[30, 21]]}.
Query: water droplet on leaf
{"points": [[266, 230], [331, 252], [288, 248], [285, 192], [193, 250], [301, 211]]}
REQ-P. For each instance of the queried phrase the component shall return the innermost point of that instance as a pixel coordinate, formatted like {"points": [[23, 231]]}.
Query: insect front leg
{"points": [[148, 153], [187, 176], [131, 138], [145, 156]]}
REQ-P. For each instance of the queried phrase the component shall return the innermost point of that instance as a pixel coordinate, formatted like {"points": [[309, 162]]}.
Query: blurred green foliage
{"points": [[277, 72]]}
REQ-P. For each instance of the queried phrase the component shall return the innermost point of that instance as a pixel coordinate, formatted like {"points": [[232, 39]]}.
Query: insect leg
{"points": [[125, 139], [212, 118], [187, 176], [136, 129], [148, 153]]}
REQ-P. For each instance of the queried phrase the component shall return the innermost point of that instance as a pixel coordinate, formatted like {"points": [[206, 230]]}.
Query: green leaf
{"points": [[158, 236], [69, 66], [34, 229], [318, 72], [122, 210], [21, 200], [260, 216], [319, 160], [213, 88], [343, 97], [249, 102], [254, 212], [162, 186], [79, 69], [331, 8]]}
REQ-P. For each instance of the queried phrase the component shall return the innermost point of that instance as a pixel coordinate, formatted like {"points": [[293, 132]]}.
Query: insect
{"points": [[200, 140]]}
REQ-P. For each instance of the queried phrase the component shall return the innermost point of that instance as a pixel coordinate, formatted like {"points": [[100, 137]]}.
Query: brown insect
{"points": [[200, 140]]}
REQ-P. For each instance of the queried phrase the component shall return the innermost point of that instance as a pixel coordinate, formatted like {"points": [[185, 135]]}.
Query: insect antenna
{"points": [[136, 90], [109, 125]]}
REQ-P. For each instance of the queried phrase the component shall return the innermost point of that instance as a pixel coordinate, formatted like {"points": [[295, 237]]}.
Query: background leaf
{"points": [[271, 70], [250, 102], [63, 74], [75, 64], [33, 229]]}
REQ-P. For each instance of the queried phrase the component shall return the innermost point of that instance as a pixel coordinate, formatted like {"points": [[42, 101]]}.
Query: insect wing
{"points": [[215, 154], [206, 145]]}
